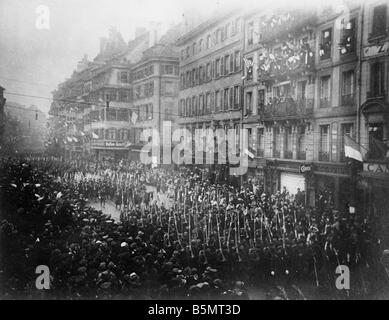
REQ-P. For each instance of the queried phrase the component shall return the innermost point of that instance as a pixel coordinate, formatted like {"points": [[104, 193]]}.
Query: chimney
{"points": [[155, 33]]}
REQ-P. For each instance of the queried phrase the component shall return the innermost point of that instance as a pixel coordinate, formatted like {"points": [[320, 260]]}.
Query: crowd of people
{"points": [[210, 241]]}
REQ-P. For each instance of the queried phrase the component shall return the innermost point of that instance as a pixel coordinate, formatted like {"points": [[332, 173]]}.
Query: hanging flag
{"points": [[134, 117], [75, 139], [69, 139], [352, 149], [82, 133], [250, 152], [94, 135]]}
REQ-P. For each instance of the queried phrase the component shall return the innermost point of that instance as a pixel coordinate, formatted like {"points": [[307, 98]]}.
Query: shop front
{"points": [[373, 183]]}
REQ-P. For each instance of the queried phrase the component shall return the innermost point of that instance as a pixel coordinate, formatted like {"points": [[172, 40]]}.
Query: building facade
{"points": [[373, 115], [210, 76], [100, 111], [301, 98]]}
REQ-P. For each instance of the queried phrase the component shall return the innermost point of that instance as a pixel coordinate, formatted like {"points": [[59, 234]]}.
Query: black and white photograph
{"points": [[194, 150]]}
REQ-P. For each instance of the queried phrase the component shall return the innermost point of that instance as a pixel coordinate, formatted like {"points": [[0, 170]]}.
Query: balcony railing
{"points": [[324, 156], [325, 102], [348, 100], [288, 108], [288, 154], [376, 94], [301, 155]]}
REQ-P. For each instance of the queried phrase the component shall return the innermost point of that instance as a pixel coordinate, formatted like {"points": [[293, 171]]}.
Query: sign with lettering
{"points": [[376, 167], [110, 143], [304, 168], [376, 50]]}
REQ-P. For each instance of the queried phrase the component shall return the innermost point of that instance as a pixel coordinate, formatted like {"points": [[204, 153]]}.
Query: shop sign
{"points": [[305, 168], [376, 167]]}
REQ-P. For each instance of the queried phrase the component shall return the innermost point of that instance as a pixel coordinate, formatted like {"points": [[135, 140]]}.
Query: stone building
{"points": [[210, 75], [96, 112], [373, 113], [301, 97]]}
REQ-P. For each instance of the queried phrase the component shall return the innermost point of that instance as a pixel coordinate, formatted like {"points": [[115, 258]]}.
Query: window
{"points": [[193, 77], [325, 91], [217, 68], [377, 147], [181, 109], [249, 103], [348, 88], [379, 21], [226, 65], [123, 95], [208, 103], [324, 152], [326, 44], [237, 61], [261, 101], [187, 107], [377, 79], [260, 142], [200, 45], [182, 55], [123, 77], [227, 31], [218, 35], [249, 69], [348, 37], [112, 134], [236, 96], [187, 52], [217, 100], [194, 48], [301, 154], [209, 75], [208, 41], [222, 66], [231, 98], [225, 98], [277, 142], [301, 90], [250, 33], [193, 106], [288, 152], [201, 104]]}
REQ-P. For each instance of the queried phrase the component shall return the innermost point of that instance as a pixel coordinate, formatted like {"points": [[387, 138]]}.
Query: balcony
{"points": [[288, 109], [301, 155], [348, 100], [281, 26], [324, 156]]}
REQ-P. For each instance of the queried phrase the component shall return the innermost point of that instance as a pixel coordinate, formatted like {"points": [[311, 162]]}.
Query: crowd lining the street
{"points": [[211, 241]]}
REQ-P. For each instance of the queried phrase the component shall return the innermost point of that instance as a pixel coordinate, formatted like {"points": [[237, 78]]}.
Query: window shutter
{"points": [[231, 63], [222, 66]]}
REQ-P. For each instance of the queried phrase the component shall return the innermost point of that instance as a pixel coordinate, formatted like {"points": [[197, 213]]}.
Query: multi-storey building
{"points": [[373, 115], [210, 74], [101, 109], [301, 97], [155, 87]]}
